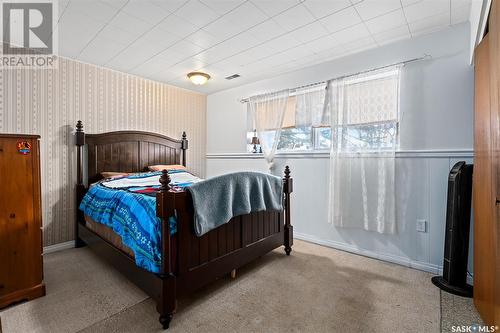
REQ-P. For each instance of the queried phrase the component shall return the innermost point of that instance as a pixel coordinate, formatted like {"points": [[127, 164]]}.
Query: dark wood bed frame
{"points": [[198, 260]]}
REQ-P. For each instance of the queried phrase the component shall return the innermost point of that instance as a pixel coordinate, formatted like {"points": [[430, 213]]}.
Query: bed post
{"points": [[80, 186], [165, 208], [287, 189], [184, 147]]}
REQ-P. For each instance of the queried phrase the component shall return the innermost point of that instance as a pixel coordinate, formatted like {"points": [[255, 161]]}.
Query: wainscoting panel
{"points": [[421, 185], [49, 102]]}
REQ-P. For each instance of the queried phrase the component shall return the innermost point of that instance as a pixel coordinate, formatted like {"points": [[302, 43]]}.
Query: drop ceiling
{"points": [[163, 40]]}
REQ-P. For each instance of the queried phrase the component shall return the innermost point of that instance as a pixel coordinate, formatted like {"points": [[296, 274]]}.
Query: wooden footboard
{"points": [[201, 260]]}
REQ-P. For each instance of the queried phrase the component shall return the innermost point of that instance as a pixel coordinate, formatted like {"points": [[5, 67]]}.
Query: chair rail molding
{"points": [[427, 153]]}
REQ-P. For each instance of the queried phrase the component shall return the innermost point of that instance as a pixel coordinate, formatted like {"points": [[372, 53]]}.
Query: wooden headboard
{"points": [[126, 151]]}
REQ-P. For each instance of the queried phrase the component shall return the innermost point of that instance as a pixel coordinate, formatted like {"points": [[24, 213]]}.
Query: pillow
{"points": [[161, 167], [111, 174]]}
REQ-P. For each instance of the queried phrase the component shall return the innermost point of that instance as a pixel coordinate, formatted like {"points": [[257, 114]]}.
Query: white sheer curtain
{"points": [[309, 107], [364, 118], [268, 113]]}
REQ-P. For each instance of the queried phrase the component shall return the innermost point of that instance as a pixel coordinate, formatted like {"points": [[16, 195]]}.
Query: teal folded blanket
{"points": [[217, 200]]}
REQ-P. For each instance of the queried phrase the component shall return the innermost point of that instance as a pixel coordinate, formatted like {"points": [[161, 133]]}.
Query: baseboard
{"points": [[58, 247], [422, 266]]}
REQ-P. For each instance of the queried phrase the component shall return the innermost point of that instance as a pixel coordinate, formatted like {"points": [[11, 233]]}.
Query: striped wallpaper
{"points": [[49, 102]]}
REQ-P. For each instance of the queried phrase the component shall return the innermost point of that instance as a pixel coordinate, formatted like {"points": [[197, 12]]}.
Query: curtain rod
{"points": [[424, 57]]}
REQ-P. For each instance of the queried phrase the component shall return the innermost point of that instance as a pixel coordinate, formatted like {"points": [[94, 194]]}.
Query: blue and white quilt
{"points": [[128, 206]]}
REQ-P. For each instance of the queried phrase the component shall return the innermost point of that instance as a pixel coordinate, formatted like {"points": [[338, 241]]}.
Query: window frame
{"points": [[315, 131]]}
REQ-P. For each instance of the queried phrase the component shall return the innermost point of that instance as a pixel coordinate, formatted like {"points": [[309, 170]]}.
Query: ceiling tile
{"points": [[100, 50], [246, 16], [62, 5], [406, 3], [127, 60], [203, 39], [129, 23], [72, 38], [231, 65], [267, 30], [426, 8], [178, 26], [429, 24], [261, 51], [299, 52], [341, 20], [185, 48], [212, 55], [227, 48], [170, 5], [310, 31], [323, 44], [163, 76], [351, 34], [273, 7], [331, 53], [359, 45], [285, 42], [390, 36], [372, 8], [97, 10], [223, 28], [197, 13], [322, 8], [160, 38], [385, 22], [146, 10], [222, 7], [294, 17], [70, 44], [171, 56], [156, 64], [121, 36], [114, 3], [189, 65], [75, 21]]}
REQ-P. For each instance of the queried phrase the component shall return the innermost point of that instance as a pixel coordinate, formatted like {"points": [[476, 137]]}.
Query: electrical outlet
{"points": [[421, 225]]}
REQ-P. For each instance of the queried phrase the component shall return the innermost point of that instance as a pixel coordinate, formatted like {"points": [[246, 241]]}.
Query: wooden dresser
{"points": [[21, 267]]}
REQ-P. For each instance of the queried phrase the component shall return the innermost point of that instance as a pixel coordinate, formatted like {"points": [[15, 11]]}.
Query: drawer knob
{"points": [[12, 215], [497, 202]]}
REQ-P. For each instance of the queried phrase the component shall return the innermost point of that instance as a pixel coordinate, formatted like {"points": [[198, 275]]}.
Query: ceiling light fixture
{"points": [[198, 78]]}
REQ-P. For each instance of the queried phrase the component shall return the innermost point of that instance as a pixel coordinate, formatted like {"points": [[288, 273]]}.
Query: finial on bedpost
{"points": [[80, 186], [164, 181], [80, 135], [288, 229], [184, 147], [287, 172]]}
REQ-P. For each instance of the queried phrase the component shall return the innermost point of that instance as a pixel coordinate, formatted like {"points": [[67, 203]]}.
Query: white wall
{"points": [[436, 131]]}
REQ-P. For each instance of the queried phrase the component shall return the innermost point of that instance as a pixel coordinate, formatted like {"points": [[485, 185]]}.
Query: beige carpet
{"points": [[316, 289], [457, 311]]}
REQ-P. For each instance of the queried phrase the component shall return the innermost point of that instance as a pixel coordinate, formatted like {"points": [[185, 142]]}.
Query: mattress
{"points": [[108, 235], [127, 207]]}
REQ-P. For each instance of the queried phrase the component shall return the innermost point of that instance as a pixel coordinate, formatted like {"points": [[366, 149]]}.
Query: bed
{"points": [[188, 262]]}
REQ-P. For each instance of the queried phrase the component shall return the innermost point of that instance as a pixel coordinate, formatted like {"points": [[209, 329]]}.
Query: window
{"points": [[368, 116]]}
